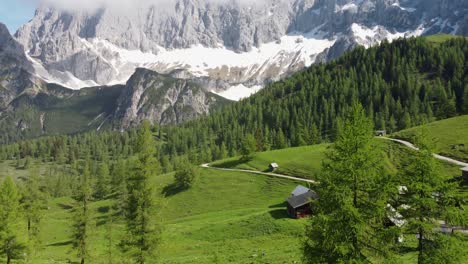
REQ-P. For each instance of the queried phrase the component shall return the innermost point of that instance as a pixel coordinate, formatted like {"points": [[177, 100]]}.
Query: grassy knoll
{"points": [[450, 136]]}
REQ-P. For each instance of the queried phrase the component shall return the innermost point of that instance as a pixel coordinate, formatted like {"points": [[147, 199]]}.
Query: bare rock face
{"points": [[161, 99], [98, 45], [79, 48], [15, 76]]}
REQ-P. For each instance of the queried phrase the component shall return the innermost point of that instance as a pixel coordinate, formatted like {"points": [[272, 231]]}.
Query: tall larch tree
{"points": [[348, 226], [82, 219], [143, 230], [428, 200], [10, 245]]}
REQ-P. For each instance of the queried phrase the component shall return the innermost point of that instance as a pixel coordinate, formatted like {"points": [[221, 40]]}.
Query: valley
{"points": [[234, 131]]}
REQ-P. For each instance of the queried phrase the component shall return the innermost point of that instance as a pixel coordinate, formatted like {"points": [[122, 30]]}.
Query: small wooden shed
{"points": [[273, 166], [381, 133], [298, 204]]}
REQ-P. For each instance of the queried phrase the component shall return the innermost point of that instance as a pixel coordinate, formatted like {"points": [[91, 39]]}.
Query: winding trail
{"points": [[207, 166], [403, 142], [437, 156]]}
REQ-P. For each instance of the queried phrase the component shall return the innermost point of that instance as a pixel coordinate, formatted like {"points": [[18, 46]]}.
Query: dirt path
{"points": [[437, 156], [207, 166]]}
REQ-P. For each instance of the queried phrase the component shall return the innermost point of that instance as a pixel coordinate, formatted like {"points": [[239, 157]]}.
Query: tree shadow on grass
{"points": [[173, 189], [280, 205], [231, 163], [279, 214], [65, 206], [61, 244]]}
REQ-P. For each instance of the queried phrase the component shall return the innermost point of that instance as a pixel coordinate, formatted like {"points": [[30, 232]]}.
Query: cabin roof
{"points": [[299, 190], [465, 169], [303, 199], [274, 165]]}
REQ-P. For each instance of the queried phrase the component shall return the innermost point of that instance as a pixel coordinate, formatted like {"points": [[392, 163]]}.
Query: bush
{"points": [[185, 176]]}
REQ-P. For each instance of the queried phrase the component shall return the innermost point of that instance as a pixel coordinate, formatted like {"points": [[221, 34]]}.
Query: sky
{"points": [[15, 13]]}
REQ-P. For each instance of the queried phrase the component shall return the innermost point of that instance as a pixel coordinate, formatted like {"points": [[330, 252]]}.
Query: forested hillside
{"points": [[400, 84]]}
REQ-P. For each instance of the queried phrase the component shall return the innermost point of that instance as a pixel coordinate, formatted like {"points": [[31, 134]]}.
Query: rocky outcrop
{"points": [[15, 70], [161, 99]]}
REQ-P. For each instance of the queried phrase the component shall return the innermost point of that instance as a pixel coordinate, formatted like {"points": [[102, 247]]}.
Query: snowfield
{"points": [[203, 61]]}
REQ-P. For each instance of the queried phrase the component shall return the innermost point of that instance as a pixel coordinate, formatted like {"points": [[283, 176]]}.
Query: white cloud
{"points": [[89, 5]]}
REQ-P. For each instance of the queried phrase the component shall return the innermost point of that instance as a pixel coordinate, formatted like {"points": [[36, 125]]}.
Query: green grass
{"points": [[448, 135], [226, 217], [440, 38], [304, 162], [301, 161]]}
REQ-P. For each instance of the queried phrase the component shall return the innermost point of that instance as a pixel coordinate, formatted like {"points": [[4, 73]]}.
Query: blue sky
{"points": [[15, 13]]}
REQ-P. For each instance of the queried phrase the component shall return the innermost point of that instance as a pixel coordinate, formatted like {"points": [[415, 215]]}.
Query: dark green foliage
{"points": [[10, 246], [34, 202], [248, 147], [103, 181], [82, 225], [186, 175], [430, 198], [348, 226], [143, 233]]}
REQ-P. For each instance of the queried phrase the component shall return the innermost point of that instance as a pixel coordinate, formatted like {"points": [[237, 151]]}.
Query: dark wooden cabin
{"points": [[299, 204]]}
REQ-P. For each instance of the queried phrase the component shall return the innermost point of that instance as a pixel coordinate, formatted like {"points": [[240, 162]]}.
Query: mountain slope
{"points": [[30, 107], [231, 41], [450, 136]]}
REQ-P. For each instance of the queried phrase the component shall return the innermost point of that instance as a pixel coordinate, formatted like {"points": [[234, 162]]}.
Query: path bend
{"points": [[207, 166]]}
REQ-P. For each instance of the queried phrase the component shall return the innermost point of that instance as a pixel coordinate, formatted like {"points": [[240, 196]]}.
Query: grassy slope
{"points": [[226, 216], [301, 161], [446, 133]]}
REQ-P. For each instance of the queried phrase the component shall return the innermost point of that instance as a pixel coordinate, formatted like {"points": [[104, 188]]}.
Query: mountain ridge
{"points": [[100, 46]]}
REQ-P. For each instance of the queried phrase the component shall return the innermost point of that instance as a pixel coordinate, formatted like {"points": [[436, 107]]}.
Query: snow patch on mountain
{"points": [[238, 92], [65, 79], [200, 61], [371, 36]]}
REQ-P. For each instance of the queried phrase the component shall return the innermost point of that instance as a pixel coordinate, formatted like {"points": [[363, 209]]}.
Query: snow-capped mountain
{"points": [[234, 44]]}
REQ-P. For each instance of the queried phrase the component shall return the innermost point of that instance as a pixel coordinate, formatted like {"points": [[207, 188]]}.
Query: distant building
{"points": [[381, 133], [273, 166], [299, 202]]}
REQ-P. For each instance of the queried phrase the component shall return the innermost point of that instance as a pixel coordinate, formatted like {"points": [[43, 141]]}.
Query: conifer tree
{"points": [[143, 231], [10, 245], [81, 218], [348, 227], [103, 182], [248, 147], [428, 199], [33, 202]]}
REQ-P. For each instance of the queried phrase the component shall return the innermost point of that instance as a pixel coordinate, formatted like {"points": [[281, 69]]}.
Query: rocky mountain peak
{"points": [[225, 41]]}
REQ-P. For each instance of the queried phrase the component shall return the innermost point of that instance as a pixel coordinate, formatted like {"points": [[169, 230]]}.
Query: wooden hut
{"points": [[380, 133], [273, 166], [299, 202]]}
